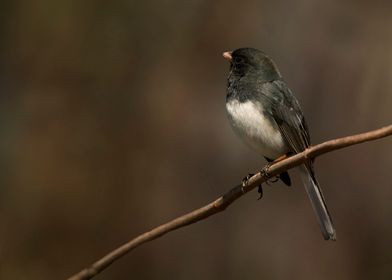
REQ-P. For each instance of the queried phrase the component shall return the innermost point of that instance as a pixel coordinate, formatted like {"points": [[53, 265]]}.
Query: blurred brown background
{"points": [[113, 121]]}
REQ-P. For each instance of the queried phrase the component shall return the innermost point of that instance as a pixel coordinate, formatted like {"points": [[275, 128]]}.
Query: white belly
{"points": [[257, 131]]}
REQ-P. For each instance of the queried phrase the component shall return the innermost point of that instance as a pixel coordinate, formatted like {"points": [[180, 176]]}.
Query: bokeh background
{"points": [[113, 121]]}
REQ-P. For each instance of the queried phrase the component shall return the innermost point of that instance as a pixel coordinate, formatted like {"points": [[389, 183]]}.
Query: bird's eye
{"points": [[238, 60]]}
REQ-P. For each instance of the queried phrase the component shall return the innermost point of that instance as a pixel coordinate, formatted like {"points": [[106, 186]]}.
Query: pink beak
{"points": [[227, 55]]}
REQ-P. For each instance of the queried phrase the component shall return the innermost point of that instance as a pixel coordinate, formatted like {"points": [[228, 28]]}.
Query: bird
{"points": [[266, 115]]}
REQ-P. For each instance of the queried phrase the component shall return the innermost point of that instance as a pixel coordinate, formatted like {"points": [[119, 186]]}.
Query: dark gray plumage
{"points": [[266, 115]]}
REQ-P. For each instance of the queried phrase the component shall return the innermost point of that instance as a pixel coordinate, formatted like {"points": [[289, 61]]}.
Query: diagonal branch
{"points": [[222, 202]]}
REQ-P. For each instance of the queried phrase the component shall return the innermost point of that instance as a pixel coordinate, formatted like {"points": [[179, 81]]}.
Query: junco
{"points": [[266, 115]]}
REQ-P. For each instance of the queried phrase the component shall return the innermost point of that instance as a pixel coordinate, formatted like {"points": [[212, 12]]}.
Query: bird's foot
{"points": [[245, 183], [260, 191], [283, 176], [264, 173], [273, 180]]}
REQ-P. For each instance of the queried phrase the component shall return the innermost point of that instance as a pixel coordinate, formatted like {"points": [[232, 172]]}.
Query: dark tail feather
{"points": [[318, 203]]}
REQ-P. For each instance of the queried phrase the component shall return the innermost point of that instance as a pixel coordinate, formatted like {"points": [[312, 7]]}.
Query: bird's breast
{"points": [[257, 130]]}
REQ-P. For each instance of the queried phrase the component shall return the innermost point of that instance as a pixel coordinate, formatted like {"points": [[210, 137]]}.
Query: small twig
{"points": [[225, 200]]}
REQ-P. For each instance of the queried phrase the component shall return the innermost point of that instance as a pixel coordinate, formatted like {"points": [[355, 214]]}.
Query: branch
{"points": [[222, 202]]}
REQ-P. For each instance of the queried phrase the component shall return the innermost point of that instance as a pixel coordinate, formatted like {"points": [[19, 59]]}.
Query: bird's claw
{"points": [[273, 180], [264, 172], [245, 183], [260, 191]]}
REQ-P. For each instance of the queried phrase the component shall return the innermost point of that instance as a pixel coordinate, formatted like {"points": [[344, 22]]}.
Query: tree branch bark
{"points": [[222, 202]]}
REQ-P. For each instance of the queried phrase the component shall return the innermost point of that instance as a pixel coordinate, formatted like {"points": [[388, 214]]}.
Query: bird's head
{"points": [[250, 61]]}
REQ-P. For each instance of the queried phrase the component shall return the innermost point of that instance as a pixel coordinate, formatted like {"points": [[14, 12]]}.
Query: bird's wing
{"points": [[284, 109], [287, 114]]}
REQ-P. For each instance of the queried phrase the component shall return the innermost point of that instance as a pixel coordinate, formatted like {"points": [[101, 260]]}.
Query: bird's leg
{"points": [[282, 157]]}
